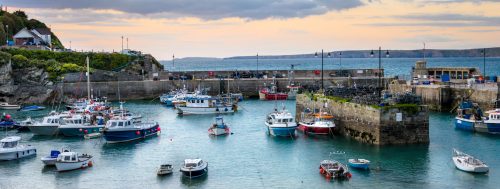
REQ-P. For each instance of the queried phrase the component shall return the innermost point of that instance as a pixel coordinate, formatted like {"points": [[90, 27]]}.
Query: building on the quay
{"points": [[452, 74]]}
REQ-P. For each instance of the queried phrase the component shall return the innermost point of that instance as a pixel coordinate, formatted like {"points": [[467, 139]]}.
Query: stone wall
{"points": [[446, 97], [372, 125], [152, 89]]}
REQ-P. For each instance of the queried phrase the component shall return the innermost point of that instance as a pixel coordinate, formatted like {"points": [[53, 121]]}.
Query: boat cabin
{"points": [[10, 142], [279, 118], [51, 120], [200, 102], [67, 157], [494, 115], [119, 122], [192, 163]]}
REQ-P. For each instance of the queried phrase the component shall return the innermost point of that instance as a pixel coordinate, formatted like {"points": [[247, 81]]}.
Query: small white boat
{"points": [[467, 163], [23, 125], [49, 125], [165, 169], [92, 135], [68, 161], [10, 149], [219, 127], [7, 106], [50, 160], [194, 168], [359, 163], [281, 123]]}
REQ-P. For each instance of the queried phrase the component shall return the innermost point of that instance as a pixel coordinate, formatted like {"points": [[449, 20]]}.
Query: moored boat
{"points": [[194, 168], [7, 122], [123, 129], [67, 161], [7, 106], [164, 169], [31, 108], [207, 105], [219, 127], [49, 125], [10, 149], [334, 169], [50, 160], [80, 125], [293, 90], [359, 163], [467, 163], [281, 123], [468, 116], [492, 121], [23, 125], [321, 124]]}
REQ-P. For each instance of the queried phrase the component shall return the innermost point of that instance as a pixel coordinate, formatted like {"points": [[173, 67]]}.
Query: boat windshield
{"points": [[190, 164], [114, 124], [9, 144]]}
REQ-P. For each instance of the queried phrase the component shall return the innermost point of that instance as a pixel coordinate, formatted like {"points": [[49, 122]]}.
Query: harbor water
{"points": [[250, 158]]}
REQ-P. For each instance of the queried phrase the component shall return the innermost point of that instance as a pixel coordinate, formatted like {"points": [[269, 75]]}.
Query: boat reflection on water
{"points": [[194, 183]]}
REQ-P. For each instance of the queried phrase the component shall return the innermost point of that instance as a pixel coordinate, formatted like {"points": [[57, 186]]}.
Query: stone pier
{"points": [[367, 124]]}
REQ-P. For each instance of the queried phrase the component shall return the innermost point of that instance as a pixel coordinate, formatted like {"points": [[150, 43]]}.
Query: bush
{"points": [[4, 58], [19, 61]]}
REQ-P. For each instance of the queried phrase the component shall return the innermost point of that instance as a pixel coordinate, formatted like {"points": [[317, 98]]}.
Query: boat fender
{"points": [[138, 132], [80, 130], [90, 164]]}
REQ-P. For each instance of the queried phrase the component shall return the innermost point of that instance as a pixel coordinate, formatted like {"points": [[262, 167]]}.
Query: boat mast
{"points": [[88, 78]]}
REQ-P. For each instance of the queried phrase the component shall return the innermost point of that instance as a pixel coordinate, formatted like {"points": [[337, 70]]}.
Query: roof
{"points": [[11, 139], [43, 31], [192, 161]]}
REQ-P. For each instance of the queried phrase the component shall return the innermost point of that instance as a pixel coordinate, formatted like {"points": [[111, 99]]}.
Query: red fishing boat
{"points": [[321, 124]]}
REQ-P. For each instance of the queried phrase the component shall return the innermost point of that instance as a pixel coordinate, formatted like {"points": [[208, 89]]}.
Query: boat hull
{"points": [[315, 130], [131, 134], [282, 131], [464, 124], [49, 161], [17, 154], [80, 131], [194, 173], [459, 164], [68, 166], [493, 128], [218, 131], [276, 96], [44, 130], [193, 110], [359, 165]]}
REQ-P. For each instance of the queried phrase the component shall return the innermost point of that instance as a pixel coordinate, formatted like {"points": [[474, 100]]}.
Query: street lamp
{"points": [[7, 35], [483, 52], [322, 83], [257, 65], [379, 69]]}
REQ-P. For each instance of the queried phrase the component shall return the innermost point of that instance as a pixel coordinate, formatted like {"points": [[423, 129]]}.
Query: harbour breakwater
{"points": [[370, 124], [150, 89], [447, 97]]}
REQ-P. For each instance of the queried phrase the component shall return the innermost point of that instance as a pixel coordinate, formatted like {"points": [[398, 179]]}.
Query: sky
{"points": [[224, 28]]}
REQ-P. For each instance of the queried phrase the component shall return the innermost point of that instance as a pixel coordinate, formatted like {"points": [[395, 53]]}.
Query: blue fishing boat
{"points": [[124, 129], [468, 116], [281, 123], [31, 108], [359, 163], [492, 121]]}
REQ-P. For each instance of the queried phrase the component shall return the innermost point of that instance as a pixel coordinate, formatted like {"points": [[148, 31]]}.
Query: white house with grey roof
{"points": [[33, 37]]}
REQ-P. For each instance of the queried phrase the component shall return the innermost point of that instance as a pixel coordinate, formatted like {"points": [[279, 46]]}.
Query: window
{"points": [[128, 123], [120, 123], [66, 158], [197, 101], [113, 124], [73, 158], [291, 120], [202, 101]]}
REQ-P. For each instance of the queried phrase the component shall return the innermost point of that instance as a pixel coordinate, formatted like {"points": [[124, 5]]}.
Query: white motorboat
{"points": [[219, 127], [7, 106], [281, 123], [80, 125], [165, 169], [50, 160], [23, 125], [467, 163], [194, 168], [204, 104], [49, 125], [68, 161], [10, 149]]}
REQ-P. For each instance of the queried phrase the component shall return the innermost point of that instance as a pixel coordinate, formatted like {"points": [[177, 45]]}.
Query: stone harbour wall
{"points": [[372, 125]]}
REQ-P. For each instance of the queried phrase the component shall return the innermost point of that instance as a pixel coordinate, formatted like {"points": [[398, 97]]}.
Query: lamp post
{"points": [[340, 57], [379, 70], [484, 62], [257, 65], [322, 56], [7, 34]]}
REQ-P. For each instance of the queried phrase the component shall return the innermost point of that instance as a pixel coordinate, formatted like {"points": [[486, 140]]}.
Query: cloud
{"points": [[441, 20], [203, 9], [428, 38]]}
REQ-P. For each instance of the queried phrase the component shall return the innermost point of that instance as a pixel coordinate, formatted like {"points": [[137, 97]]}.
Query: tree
{"points": [[21, 14]]}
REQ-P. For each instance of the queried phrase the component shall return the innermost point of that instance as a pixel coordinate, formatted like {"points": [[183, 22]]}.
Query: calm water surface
{"points": [[250, 158]]}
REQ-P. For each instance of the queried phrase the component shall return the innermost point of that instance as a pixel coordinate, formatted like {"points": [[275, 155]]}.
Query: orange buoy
{"points": [[90, 163]]}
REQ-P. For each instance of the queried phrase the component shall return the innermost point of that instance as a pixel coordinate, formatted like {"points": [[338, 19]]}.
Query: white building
{"points": [[34, 37]]}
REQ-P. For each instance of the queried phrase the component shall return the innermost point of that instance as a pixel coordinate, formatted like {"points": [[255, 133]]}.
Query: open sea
{"points": [[250, 158], [392, 66]]}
